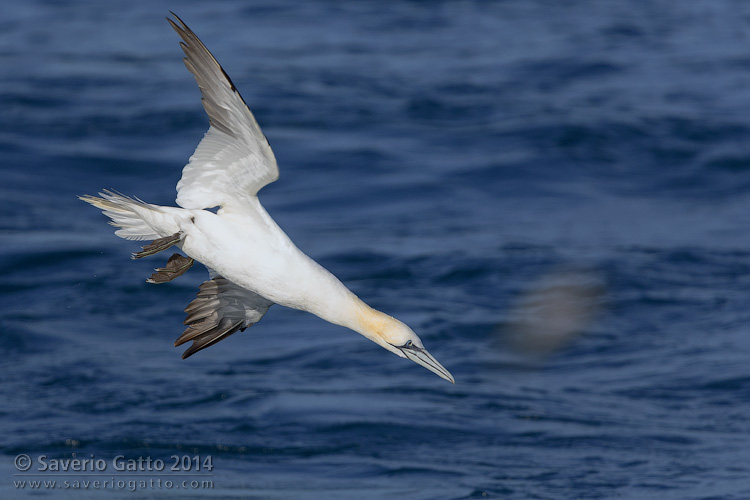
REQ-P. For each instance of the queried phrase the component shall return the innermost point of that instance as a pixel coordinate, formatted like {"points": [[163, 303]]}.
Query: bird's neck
{"points": [[353, 313], [332, 301], [370, 322]]}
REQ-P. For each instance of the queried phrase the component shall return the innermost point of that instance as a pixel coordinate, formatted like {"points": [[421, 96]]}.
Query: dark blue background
{"points": [[448, 161]]}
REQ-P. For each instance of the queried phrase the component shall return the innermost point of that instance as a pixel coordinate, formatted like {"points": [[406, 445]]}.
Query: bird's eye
{"points": [[408, 343]]}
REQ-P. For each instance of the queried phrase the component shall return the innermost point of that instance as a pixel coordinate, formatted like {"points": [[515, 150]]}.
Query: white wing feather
{"points": [[234, 160]]}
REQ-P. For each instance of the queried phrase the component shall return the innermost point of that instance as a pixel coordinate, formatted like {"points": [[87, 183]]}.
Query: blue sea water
{"points": [[554, 195]]}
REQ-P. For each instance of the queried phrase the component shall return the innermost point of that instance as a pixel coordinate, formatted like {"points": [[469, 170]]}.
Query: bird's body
{"points": [[271, 265], [252, 263]]}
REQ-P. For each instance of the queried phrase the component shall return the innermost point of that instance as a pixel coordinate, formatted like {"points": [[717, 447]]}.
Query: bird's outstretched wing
{"points": [[220, 309], [234, 159]]}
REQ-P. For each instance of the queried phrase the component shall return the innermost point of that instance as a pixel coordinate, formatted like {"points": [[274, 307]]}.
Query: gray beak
{"points": [[421, 357]]}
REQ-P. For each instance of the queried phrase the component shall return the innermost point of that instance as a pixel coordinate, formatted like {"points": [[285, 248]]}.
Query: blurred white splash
{"points": [[554, 311]]}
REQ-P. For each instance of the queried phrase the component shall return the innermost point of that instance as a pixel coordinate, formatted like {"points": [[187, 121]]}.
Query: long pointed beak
{"points": [[421, 357]]}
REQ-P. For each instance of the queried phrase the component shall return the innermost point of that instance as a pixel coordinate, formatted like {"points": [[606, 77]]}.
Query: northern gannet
{"points": [[252, 263]]}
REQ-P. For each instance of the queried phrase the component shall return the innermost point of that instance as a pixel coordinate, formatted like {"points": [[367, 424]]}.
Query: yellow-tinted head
{"points": [[395, 336]]}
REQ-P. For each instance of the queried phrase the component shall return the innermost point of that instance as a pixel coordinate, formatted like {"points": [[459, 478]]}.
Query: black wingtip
{"points": [[183, 28]]}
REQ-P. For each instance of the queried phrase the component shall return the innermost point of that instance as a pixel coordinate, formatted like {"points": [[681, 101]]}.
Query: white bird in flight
{"points": [[252, 263]]}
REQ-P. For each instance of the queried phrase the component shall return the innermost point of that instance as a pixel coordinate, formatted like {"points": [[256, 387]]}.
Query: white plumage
{"points": [[252, 263]]}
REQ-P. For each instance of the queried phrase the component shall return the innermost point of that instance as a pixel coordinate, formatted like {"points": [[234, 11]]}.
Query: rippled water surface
{"points": [[554, 195]]}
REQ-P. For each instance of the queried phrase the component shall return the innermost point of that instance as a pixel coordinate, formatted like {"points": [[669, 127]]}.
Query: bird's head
{"points": [[395, 336]]}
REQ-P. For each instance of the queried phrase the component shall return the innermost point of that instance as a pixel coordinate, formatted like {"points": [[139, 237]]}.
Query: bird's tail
{"points": [[136, 220]]}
